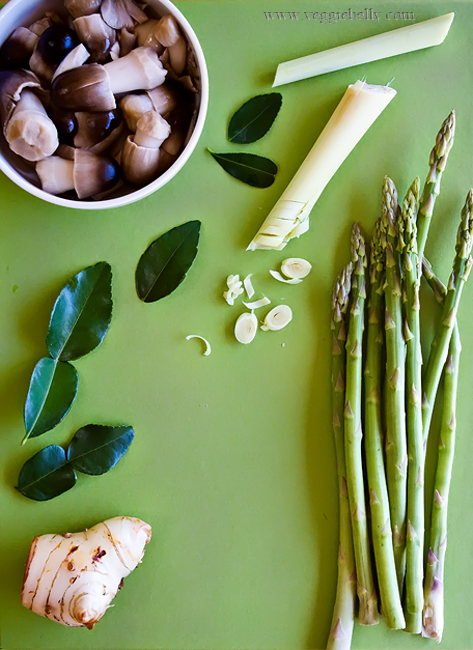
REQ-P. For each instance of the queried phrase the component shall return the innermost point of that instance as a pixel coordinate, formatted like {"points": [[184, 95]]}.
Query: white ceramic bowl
{"points": [[25, 12]]}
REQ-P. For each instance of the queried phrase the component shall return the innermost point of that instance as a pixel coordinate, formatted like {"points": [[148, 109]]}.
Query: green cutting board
{"points": [[233, 462]]}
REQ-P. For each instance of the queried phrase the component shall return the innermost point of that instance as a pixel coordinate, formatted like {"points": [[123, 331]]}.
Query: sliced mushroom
{"points": [[140, 156], [127, 41], [95, 127], [16, 51], [122, 13], [167, 31], [88, 174], [165, 97], [30, 132], [12, 84], [77, 57], [179, 120], [133, 107], [52, 47], [39, 26], [79, 8], [83, 89], [146, 35], [96, 35], [178, 56]]}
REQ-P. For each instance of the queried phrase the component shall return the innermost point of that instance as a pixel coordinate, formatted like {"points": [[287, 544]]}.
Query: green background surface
{"points": [[233, 461]]}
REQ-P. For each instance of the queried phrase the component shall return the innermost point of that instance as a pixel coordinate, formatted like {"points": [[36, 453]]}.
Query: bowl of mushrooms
{"points": [[102, 102]]}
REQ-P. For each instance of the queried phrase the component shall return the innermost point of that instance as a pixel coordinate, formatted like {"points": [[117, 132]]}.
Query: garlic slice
{"points": [[246, 327], [262, 302], [277, 276], [235, 289], [250, 292], [277, 318], [296, 267], [208, 348]]}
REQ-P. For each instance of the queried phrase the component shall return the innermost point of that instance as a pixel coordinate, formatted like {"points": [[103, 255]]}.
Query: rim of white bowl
{"points": [[145, 191]]}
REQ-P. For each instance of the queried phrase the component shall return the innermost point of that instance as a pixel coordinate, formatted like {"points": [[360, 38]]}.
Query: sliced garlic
{"points": [[277, 276], [235, 289], [262, 302], [246, 327], [250, 292], [296, 267], [208, 349], [277, 318]]}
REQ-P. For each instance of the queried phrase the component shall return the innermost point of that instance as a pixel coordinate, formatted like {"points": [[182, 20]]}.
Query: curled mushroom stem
{"points": [[151, 130]]}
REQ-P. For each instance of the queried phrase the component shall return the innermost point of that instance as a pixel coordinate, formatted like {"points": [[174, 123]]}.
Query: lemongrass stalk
{"points": [[358, 109], [343, 619], [368, 614], [399, 41], [374, 439], [396, 436], [415, 448]]}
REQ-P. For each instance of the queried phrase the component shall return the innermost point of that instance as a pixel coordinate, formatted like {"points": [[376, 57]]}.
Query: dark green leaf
{"points": [[82, 313], [46, 475], [53, 388], [164, 264], [253, 170], [254, 118], [95, 449]]}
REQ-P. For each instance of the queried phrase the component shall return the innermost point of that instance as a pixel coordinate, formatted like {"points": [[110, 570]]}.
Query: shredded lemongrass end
{"points": [[358, 109], [250, 292], [208, 348], [277, 276], [262, 302]]}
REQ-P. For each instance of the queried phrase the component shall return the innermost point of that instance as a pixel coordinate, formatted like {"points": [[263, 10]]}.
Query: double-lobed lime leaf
{"points": [[253, 170], [248, 124], [82, 313], [165, 263], [94, 450], [254, 118], [80, 319]]}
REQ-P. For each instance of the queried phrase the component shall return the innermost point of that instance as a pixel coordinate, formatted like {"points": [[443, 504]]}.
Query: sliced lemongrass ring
{"points": [[262, 302], [277, 318], [277, 276], [246, 327], [250, 292], [208, 348], [296, 267]]}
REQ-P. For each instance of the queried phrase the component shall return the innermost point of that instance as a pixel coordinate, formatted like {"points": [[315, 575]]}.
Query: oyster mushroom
{"points": [[88, 174], [122, 13], [167, 31], [12, 84], [92, 87], [93, 128], [178, 56], [140, 156], [96, 35], [52, 47], [146, 35], [16, 51], [30, 132], [127, 41], [79, 8]]}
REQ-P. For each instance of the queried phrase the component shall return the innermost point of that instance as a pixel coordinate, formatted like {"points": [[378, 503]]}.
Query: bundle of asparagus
{"points": [[384, 368]]}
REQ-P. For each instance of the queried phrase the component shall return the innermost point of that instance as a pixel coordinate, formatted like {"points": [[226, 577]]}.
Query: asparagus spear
{"points": [[379, 502], [415, 447], [344, 611], [433, 614], [396, 444], [438, 355], [437, 162], [368, 614]]}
